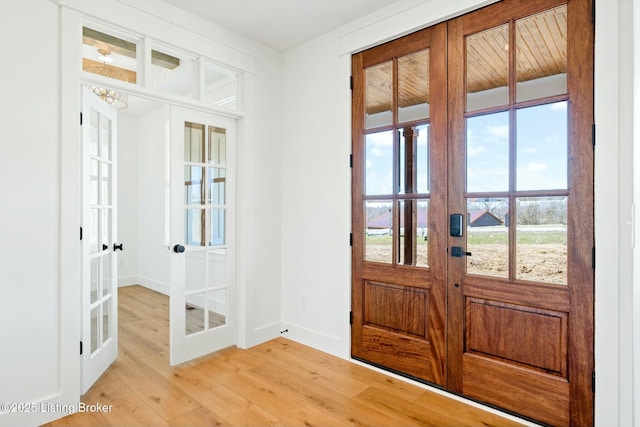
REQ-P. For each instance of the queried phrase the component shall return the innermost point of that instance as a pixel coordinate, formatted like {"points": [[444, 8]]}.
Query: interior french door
{"points": [[503, 307], [99, 239], [202, 234]]}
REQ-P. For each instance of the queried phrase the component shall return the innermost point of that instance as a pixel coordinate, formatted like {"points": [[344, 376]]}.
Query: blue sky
{"points": [[541, 152]]}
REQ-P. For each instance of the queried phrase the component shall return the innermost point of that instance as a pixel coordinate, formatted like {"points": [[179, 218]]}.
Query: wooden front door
{"points": [[498, 195]]}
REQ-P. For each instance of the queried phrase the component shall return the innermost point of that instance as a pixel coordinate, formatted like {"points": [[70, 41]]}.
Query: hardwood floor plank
{"points": [[277, 383], [155, 390]]}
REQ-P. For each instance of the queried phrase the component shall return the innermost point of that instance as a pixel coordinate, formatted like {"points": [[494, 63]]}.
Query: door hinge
{"points": [[593, 382], [350, 239], [80, 118], [593, 134], [593, 11], [350, 160], [593, 258], [80, 233], [80, 347], [351, 82], [351, 317]]}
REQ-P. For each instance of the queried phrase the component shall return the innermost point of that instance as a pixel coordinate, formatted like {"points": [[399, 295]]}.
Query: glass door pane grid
{"points": [[515, 270]]}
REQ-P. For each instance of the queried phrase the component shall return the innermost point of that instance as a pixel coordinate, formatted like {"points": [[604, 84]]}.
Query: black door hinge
{"points": [[593, 134], [80, 347], [350, 160], [593, 382], [351, 82], [351, 317], [81, 119], [350, 239], [593, 258], [593, 11], [80, 233]]}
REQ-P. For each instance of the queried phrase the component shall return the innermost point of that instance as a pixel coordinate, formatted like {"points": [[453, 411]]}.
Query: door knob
{"points": [[117, 247], [178, 249]]}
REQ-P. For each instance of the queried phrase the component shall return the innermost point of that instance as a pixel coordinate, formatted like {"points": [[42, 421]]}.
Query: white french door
{"points": [[202, 234], [100, 259]]}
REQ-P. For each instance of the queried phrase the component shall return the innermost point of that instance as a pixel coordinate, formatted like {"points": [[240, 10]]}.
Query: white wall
{"points": [[128, 200], [153, 256], [32, 367], [316, 187]]}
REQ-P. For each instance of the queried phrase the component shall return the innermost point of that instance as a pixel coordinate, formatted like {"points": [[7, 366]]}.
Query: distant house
{"points": [[383, 223], [482, 218]]}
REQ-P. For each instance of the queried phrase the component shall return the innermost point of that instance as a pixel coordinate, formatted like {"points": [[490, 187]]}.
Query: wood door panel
{"points": [[399, 308], [537, 395], [400, 352], [519, 334], [399, 275], [549, 297]]}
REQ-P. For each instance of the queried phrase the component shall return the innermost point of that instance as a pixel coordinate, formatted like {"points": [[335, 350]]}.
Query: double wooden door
{"points": [[473, 207]]}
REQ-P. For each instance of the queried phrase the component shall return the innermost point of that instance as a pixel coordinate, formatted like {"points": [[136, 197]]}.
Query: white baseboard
{"points": [[320, 341], [263, 334], [127, 281]]}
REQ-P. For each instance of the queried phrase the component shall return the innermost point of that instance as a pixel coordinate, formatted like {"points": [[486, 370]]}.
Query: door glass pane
{"points": [[379, 230], [379, 163], [94, 231], [105, 235], [194, 314], [195, 220], [541, 55], [217, 145], [221, 86], [488, 153], [216, 187], [413, 86], [217, 217], [172, 72], [217, 268], [217, 308], [105, 138], [93, 182], [193, 143], [541, 239], [106, 324], [94, 124], [488, 237], [414, 160], [378, 95], [193, 185], [109, 56], [542, 144], [106, 274], [105, 184], [95, 338], [413, 236], [94, 276], [487, 68]]}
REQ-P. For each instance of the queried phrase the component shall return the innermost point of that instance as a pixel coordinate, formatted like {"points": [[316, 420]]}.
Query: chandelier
{"points": [[116, 99]]}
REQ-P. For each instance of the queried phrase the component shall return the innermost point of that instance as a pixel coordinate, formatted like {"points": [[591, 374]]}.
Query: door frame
{"points": [[71, 80]]}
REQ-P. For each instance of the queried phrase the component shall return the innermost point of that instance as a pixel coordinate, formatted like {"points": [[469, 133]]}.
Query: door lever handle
{"points": [[118, 247], [458, 252]]}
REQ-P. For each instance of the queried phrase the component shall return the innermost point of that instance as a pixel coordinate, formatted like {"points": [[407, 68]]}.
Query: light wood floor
{"points": [[278, 383]]}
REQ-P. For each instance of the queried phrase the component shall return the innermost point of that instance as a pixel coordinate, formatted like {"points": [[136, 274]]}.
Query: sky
{"points": [[541, 135]]}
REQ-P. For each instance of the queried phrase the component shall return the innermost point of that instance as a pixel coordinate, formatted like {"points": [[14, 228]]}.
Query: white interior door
{"points": [[100, 259], [202, 229]]}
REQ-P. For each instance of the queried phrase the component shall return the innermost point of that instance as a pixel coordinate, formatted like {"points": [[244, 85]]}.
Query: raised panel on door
{"points": [[399, 196], [521, 303]]}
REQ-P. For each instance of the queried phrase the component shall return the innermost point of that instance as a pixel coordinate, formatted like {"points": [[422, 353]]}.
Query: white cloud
{"points": [[375, 151], [369, 164], [499, 131], [537, 167], [559, 106], [476, 150]]}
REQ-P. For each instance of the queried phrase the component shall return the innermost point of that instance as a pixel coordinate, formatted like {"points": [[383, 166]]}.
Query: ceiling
{"points": [[280, 24]]}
